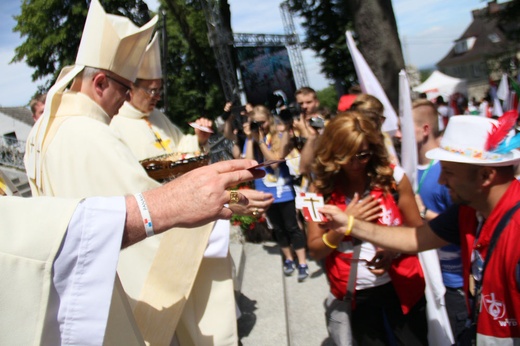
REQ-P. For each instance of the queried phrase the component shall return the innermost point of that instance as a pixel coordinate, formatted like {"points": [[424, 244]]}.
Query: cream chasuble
{"points": [[82, 157], [150, 135], [26, 259]]}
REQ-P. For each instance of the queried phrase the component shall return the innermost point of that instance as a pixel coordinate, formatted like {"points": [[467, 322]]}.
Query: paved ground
{"points": [[279, 310]]}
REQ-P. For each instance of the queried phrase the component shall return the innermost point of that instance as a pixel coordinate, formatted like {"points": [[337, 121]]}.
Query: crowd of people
{"points": [[153, 264]]}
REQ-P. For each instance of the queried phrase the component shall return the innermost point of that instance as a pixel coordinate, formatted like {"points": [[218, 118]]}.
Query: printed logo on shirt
{"points": [[387, 217], [494, 307], [390, 215], [508, 322]]}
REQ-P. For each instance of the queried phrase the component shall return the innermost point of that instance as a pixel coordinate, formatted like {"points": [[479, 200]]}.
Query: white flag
{"points": [[370, 85], [439, 330], [503, 94], [503, 88], [497, 107], [408, 142]]}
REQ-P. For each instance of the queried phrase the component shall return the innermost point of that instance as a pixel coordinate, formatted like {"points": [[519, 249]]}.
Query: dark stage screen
{"points": [[264, 70]]}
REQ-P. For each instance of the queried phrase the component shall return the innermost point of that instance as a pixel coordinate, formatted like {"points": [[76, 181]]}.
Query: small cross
{"points": [[312, 200]]}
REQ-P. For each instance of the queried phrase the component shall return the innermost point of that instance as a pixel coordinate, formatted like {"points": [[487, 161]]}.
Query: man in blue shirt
{"points": [[435, 199]]}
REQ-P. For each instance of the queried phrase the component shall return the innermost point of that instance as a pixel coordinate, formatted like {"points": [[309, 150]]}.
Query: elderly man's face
{"points": [[117, 93], [462, 181], [145, 94]]}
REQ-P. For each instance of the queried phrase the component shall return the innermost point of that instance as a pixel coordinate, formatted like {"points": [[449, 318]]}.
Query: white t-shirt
{"points": [[365, 279]]}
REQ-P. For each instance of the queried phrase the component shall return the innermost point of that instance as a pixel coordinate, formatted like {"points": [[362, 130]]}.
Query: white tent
{"points": [[441, 84]]}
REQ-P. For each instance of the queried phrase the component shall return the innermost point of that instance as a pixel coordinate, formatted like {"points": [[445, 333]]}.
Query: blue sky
{"points": [[427, 29]]}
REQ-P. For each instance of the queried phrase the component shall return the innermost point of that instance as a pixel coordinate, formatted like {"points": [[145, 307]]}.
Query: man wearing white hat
{"points": [[58, 256], [145, 129], [71, 152], [477, 157]]}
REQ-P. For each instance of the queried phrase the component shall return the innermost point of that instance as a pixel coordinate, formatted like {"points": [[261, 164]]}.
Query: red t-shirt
{"points": [[500, 309]]}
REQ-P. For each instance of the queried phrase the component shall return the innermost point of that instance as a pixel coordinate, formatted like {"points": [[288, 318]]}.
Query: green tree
{"points": [[52, 30], [328, 98], [193, 83], [325, 23], [508, 19], [505, 60]]}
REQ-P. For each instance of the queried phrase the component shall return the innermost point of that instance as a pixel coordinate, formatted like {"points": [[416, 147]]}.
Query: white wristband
{"points": [[145, 214]]}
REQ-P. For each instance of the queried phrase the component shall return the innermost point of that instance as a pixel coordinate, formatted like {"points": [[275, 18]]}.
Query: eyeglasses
{"points": [[363, 156], [152, 92], [127, 88]]}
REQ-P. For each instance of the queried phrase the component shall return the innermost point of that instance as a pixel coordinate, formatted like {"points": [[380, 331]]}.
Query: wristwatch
{"points": [[423, 213]]}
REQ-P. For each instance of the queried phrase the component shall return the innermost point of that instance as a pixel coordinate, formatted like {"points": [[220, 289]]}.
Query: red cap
{"points": [[346, 101]]}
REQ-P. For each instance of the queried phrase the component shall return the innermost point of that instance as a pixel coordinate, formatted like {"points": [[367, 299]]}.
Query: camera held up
{"points": [[255, 125], [317, 123]]}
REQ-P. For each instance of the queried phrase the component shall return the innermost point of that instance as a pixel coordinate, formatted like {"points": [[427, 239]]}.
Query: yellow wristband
{"points": [[349, 225], [326, 242]]}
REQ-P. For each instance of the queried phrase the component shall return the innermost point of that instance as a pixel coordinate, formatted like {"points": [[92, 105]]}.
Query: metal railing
{"points": [[12, 151]]}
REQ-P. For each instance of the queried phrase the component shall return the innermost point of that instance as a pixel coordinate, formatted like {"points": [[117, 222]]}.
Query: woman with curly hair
{"points": [[352, 170]]}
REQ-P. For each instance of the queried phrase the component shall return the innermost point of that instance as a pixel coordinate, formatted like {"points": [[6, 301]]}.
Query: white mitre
{"points": [[150, 67], [108, 42]]}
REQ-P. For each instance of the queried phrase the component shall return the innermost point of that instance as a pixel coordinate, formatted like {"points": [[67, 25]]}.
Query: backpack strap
{"points": [[493, 242]]}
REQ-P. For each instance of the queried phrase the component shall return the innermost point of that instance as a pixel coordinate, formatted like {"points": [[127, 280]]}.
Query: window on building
{"points": [[493, 37], [464, 45], [10, 138]]}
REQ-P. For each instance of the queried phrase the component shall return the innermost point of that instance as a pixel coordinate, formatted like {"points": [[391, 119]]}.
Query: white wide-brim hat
{"points": [[464, 141]]}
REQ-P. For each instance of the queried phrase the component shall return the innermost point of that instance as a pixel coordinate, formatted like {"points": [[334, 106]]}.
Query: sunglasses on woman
{"points": [[363, 156]]}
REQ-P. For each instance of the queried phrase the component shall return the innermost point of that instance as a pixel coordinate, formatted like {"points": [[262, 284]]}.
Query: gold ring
{"points": [[233, 197], [255, 212]]}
